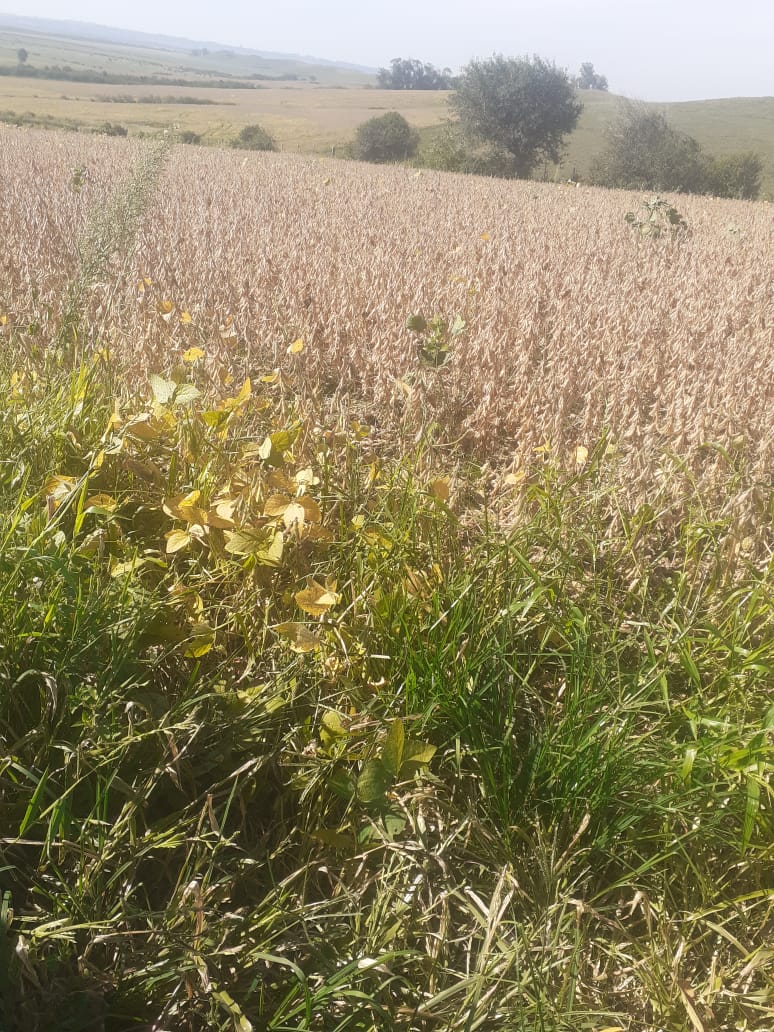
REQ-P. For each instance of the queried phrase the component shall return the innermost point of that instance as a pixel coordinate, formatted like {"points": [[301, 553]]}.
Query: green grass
{"points": [[463, 755]]}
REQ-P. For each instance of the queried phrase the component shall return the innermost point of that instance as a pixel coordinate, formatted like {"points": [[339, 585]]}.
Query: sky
{"points": [[662, 50]]}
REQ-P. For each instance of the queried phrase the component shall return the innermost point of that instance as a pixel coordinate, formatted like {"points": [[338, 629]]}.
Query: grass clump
{"points": [[254, 137]]}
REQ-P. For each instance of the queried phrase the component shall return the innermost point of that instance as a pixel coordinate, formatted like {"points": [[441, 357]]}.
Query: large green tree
{"points": [[525, 106]]}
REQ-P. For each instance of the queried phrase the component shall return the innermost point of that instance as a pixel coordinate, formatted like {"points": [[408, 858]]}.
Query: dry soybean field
{"points": [[569, 323], [386, 582]]}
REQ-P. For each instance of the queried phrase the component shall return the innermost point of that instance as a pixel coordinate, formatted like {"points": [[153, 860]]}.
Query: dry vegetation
{"points": [[573, 325]]}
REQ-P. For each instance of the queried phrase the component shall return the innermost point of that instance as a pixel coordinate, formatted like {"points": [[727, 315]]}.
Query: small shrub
{"points": [[736, 175], [187, 136], [656, 217], [386, 138], [449, 151], [112, 129], [254, 137]]}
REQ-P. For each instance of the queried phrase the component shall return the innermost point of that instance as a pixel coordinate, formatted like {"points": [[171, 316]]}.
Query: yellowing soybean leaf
{"points": [[163, 390], [103, 502], [244, 395], [265, 546], [184, 507], [333, 838], [581, 455], [192, 355], [314, 532], [201, 641], [296, 347], [316, 599], [177, 540], [333, 726], [120, 569], [311, 509], [418, 752], [439, 488], [306, 478], [377, 539], [282, 440], [222, 514], [186, 393], [185, 317], [280, 483], [294, 517], [300, 637], [59, 487], [276, 505]]}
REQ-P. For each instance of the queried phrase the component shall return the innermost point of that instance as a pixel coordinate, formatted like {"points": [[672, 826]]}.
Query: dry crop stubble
{"points": [[573, 325]]}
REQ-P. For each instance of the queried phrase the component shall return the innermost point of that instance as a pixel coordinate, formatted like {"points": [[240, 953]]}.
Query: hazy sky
{"points": [[659, 50]]}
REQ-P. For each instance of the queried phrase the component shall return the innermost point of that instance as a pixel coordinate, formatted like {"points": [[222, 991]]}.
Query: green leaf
{"points": [[332, 837], [373, 782], [392, 750], [332, 726], [394, 824], [416, 755]]}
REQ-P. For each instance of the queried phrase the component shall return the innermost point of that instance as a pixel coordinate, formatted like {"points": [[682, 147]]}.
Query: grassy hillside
{"points": [[134, 54]]}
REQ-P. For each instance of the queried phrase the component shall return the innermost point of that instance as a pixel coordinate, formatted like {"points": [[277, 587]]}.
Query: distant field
{"points": [[302, 117]]}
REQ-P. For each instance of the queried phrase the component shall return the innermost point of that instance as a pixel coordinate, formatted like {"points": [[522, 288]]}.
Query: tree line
{"points": [[512, 115]]}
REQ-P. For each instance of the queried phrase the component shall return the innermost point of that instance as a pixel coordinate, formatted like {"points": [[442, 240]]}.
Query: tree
{"points": [[410, 74], [588, 79], [386, 138], [526, 107], [644, 152], [22, 55], [254, 137]]}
